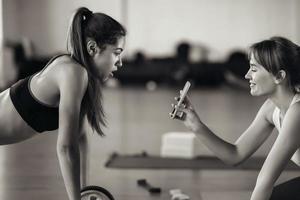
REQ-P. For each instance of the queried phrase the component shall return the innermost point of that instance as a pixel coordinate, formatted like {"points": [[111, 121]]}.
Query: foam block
{"points": [[179, 144]]}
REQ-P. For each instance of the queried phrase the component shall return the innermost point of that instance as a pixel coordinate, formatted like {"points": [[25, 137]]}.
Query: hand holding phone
{"points": [[181, 98]]}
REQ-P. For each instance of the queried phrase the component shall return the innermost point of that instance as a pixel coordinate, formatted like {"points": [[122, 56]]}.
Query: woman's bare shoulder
{"points": [[267, 110], [67, 65], [69, 75], [70, 71], [294, 111]]}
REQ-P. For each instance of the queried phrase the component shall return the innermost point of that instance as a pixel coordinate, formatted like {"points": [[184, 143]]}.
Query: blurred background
{"points": [[168, 43]]}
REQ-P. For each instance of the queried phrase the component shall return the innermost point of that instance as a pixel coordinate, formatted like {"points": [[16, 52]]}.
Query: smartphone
{"points": [[181, 98]]}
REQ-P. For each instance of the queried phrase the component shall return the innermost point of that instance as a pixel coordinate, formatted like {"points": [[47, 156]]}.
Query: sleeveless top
{"points": [[276, 120], [37, 115]]}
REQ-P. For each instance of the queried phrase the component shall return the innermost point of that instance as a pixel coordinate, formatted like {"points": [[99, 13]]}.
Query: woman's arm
{"points": [[286, 144], [84, 159], [72, 85], [247, 143]]}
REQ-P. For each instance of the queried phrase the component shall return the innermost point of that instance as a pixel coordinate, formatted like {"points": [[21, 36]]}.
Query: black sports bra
{"points": [[39, 116]]}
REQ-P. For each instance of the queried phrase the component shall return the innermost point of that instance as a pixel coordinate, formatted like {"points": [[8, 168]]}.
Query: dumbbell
{"points": [[152, 190], [95, 193]]}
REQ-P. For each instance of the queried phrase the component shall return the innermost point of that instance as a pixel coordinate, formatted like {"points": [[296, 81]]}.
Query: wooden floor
{"points": [[137, 119]]}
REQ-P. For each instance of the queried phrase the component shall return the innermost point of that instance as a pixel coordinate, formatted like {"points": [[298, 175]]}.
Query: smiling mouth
{"points": [[252, 84]]}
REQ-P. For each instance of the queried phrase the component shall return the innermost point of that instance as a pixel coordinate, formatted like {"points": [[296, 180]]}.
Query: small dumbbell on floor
{"points": [[176, 194]]}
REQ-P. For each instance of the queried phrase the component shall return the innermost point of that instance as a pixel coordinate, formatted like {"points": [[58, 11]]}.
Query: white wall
{"points": [[296, 17], [11, 20], [46, 22], [156, 26], [9, 30]]}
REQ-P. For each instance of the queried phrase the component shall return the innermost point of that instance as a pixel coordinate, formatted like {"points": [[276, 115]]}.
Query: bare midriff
{"points": [[13, 128]]}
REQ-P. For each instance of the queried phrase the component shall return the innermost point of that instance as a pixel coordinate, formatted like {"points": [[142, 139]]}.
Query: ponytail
{"points": [[91, 105], [297, 63], [76, 45]]}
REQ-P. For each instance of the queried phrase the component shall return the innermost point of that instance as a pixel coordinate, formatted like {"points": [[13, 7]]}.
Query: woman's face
{"points": [[261, 81], [108, 60]]}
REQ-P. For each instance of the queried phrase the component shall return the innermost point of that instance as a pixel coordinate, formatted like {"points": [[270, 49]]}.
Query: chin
{"points": [[257, 94], [253, 93], [105, 79]]}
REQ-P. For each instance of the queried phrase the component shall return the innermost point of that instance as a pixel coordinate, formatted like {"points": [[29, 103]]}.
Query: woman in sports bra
{"points": [[66, 92], [274, 73]]}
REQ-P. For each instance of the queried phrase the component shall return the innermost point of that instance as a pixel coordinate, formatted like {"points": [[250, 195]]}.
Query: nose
{"points": [[119, 63], [248, 74]]}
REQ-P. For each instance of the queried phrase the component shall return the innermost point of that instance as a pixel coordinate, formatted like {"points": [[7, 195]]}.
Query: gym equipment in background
{"points": [[95, 193]]}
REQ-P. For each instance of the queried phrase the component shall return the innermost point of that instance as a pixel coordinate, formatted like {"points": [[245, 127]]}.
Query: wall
{"points": [[9, 31], [296, 17], [156, 26], [11, 20], [45, 22]]}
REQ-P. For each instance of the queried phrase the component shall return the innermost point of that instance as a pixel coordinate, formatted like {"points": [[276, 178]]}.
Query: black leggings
{"points": [[289, 190]]}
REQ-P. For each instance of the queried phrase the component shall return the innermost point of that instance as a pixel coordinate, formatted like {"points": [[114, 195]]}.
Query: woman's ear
{"points": [[281, 75], [92, 47]]}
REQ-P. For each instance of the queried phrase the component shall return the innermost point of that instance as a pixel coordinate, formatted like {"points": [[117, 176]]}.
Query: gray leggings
{"points": [[289, 190]]}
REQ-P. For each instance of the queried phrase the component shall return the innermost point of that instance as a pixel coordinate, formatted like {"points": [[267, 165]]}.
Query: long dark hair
{"points": [[279, 53], [104, 30]]}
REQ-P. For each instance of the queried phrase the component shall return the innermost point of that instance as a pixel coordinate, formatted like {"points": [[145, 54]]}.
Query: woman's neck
{"points": [[282, 98]]}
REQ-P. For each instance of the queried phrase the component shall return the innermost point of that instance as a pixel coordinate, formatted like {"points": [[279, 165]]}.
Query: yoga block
{"points": [[179, 144]]}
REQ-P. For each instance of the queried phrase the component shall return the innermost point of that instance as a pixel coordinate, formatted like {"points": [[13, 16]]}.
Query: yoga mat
{"points": [[145, 161]]}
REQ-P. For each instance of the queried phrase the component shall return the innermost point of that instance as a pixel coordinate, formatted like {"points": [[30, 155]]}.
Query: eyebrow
{"points": [[252, 65]]}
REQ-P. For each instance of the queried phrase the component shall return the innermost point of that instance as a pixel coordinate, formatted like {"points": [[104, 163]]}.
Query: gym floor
{"points": [[137, 120]]}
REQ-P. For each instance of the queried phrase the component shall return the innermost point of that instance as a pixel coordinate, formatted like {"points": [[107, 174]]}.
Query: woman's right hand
{"points": [[187, 114]]}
